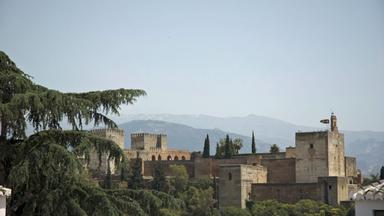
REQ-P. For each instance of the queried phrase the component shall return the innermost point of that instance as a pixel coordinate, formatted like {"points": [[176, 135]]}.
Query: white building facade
{"points": [[4, 193], [369, 201]]}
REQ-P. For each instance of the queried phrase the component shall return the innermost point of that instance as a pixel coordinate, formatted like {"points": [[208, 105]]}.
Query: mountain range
{"points": [[188, 132]]}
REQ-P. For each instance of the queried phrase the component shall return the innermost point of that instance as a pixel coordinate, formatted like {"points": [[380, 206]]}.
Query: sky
{"points": [[293, 60]]}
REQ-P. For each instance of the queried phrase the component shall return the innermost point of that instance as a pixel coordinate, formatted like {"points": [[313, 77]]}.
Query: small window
{"points": [[330, 187], [378, 212], [229, 176], [311, 146]]}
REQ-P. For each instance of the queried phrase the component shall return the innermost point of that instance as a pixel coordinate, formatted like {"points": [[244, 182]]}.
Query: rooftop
{"points": [[5, 191], [374, 191]]}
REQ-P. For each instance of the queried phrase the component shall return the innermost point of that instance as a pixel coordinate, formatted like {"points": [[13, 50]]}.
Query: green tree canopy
{"points": [[136, 181], [226, 148], [274, 149], [159, 182], [46, 170], [179, 180]]}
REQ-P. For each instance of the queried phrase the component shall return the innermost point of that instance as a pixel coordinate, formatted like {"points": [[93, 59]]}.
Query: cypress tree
{"points": [[206, 152], [253, 143], [136, 181], [218, 153], [382, 173], [228, 151]]}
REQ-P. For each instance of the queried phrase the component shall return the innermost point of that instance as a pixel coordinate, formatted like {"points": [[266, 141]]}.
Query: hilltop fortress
{"points": [[316, 168]]}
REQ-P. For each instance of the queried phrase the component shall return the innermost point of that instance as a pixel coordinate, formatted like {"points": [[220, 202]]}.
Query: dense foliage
{"points": [[274, 149], [301, 208], [136, 181], [160, 182], [228, 147], [46, 170]]}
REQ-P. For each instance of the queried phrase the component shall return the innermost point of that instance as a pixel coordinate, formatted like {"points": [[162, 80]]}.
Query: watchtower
{"points": [[116, 135], [320, 154], [148, 141]]}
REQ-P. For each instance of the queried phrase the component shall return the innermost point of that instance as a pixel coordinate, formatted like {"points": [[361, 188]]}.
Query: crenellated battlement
{"points": [[108, 130], [134, 135], [148, 141]]}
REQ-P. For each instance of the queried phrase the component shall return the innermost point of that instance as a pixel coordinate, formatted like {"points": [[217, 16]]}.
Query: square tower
{"points": [[235, 183], [148, 141], [116, 135], [319, 154]]}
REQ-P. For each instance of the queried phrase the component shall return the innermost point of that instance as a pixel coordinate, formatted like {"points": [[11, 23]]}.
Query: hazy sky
{"points": [[292, 60]]}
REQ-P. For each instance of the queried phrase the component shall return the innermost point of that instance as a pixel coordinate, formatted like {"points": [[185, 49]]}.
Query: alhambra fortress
{"points": [[316, 168]]}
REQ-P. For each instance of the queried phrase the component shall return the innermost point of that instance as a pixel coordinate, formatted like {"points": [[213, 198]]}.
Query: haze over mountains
{"points": [[188, 132]]}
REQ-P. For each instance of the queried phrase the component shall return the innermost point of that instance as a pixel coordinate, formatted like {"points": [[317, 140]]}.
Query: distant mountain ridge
{"points": [[367, 146], [185, 137]]}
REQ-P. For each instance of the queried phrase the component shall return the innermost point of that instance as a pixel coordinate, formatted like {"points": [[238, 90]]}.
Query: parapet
{"points": [[133, 135], [108, 130]]}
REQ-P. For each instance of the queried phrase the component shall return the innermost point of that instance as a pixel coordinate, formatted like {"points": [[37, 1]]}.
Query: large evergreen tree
{"points": [[253, 143], [206, 152], [46, 170], [218, 153], [382, 172], [136, 181], [159, 182], [228, 150]]}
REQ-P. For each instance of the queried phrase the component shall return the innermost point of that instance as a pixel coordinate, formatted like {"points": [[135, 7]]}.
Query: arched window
{"points": [[169, 157], [229, 176], [159, 157], [176, 158], [182, 157], [153, 157]]}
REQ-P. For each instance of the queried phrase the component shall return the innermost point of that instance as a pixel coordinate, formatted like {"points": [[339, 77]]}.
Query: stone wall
{"points": [[148, 141], [290, 152], [158, 154], [203, 167], [333, 189], [311, 156], [149, 167], [235, 181], [336, 164], [351, 169], [287, 193], [116, 135], [280, 170]]}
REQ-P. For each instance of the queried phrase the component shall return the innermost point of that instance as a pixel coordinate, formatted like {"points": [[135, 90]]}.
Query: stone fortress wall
{"points": [[116, 135], [146, 146], [154, 147], [316, 168]]}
